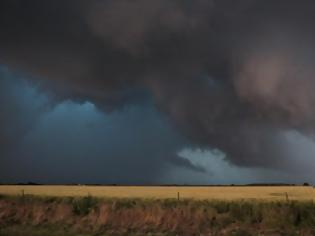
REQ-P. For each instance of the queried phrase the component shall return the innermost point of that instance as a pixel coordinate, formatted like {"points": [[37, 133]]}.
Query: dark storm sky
{"points": [[157, 91]]}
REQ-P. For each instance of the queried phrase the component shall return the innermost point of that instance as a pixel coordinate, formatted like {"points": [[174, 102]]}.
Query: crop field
{"points": [[272, 193]]}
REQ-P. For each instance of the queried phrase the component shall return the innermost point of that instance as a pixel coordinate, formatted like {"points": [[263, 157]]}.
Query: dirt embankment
{"points": [[140, 217]]}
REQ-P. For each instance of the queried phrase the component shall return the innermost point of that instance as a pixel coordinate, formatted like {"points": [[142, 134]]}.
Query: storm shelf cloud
{"points": [[225, 75]]}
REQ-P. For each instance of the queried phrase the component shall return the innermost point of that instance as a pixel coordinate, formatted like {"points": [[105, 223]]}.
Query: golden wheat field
{"points": [[198, 193]]}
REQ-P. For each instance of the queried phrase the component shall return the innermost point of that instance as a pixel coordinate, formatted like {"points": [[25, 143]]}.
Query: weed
{"points": [[83, 206]]}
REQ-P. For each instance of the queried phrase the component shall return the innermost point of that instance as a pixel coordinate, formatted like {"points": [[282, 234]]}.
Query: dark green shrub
{"points": [[124, 203], [83, 206], [222, 207]]}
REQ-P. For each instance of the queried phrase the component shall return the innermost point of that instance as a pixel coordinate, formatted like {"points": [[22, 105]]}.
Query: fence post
{"points": [[287, 196], [23, 196], [178, 196]]}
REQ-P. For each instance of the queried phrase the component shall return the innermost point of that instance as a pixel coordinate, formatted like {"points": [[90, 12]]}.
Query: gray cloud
{"points": [[68, 142], [232, 75], [116, 148], [20, 107]]}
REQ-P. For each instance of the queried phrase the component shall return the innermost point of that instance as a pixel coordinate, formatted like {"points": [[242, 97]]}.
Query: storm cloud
{"points": [[229, 75], [66, 142]]}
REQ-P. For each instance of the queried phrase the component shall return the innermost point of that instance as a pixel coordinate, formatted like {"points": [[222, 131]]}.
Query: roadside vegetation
{"points": [[31, 216]]}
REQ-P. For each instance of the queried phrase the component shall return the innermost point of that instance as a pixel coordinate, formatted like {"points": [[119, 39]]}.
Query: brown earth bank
{"points": [[49, 216]]}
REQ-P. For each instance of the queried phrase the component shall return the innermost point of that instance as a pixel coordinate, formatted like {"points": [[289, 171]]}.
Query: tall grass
{"points": [[169, 216]]}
